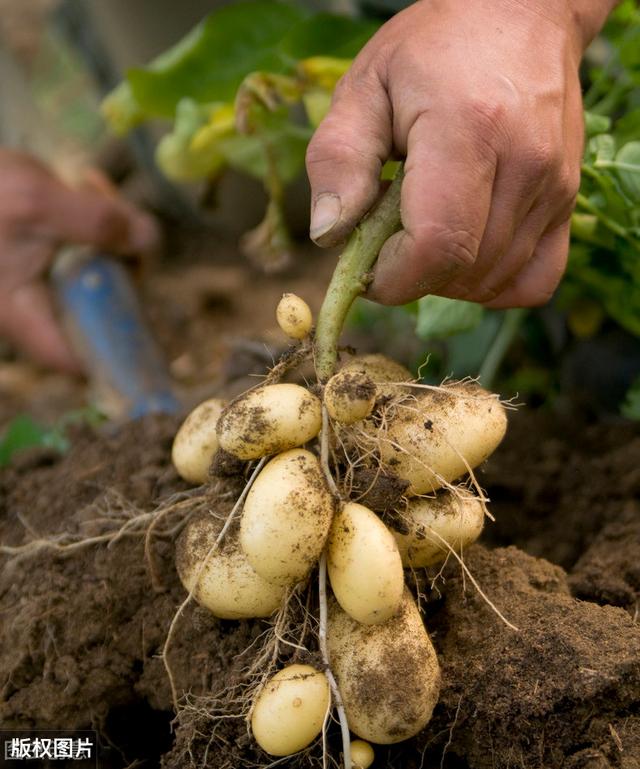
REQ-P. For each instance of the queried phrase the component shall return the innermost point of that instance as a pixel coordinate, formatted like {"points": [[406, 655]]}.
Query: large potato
{"points": [[228, 586], [268, 420], [457, 519], [388, 674], [289, 711], [196, 442], [286, 517], [379, 368], [365, 568], [437, 437]]}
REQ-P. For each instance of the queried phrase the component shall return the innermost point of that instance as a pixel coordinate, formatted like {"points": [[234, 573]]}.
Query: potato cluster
{"points": [[380, 653]]}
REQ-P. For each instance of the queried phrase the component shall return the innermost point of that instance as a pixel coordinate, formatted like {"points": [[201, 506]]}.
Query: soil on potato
{"points": [[81, 631]]}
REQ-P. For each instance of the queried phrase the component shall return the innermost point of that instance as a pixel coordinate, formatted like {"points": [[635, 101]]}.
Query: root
{"points": [[322, 641], [473, 580], [187, 600]]}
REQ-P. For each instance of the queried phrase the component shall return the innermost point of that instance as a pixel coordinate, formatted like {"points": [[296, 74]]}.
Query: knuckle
{"points": [[489, 119], [459, 248], [540, 157]]}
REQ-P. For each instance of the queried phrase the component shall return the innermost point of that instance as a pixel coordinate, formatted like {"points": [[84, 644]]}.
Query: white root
{"points": [[322, 642], [473, 581]]}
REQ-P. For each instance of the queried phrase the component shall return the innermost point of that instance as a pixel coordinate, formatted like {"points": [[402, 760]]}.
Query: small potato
{"points": [[268, 420], [457, 519], [294, 316], [350, 396], [388, 674], [228, 586], [362, 754], [286, 517], [289, 711], [196, 442], [365, 568], [436, 438]]}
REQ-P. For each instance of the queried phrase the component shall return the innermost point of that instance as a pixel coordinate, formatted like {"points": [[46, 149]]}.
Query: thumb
{"points": [[345, 157]]}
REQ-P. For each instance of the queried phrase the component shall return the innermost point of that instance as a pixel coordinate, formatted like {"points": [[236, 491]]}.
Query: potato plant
{"points": [[301, 531]]}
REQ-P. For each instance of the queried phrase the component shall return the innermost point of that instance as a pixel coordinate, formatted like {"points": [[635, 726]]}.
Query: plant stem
{"points": [[352, 274], [506, 333]]}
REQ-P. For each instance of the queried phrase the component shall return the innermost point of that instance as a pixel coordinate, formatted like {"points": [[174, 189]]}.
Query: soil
{"points": [[81, 631]]}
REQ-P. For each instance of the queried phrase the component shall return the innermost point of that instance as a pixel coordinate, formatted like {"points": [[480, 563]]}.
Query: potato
{"points": [[436, 438], [286, 517], [289, 711], [457, 519], [294, 316], [196, 442], [362, 754], [388, 674], [268, 420], [365, 568], [228, 586], [379, 368], [350, 396]]}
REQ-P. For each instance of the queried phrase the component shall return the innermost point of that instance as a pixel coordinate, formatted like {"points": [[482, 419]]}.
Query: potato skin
{"points": [[294, 316], [442, 433], [290, 709], [350, 396], [379, 368], [228, 586], [286, 517], [271, 419], [365, 568], [197, 441], [458, 520], [388, 674]]}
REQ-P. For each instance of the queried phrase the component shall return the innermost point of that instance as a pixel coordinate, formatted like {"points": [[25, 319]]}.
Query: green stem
{"points": [[616, 228], [352, 274], [506, 334]]}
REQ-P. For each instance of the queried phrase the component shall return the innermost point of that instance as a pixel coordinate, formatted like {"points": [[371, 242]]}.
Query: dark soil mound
{"points": [[82, 631]]}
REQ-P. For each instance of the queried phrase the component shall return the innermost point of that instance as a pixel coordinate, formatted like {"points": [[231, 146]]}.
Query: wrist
{"points": [[581, 19], [588, 18]]}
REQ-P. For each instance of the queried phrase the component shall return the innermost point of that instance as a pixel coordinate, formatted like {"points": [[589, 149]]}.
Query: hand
{"points": [[483, 99], [38, 213]]}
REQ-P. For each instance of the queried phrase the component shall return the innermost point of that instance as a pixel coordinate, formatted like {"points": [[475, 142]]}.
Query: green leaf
{"points": [[628, 169], [596, 124], [631, 406], [212, 61], [439, 318], [327, 35], [23, 433]]}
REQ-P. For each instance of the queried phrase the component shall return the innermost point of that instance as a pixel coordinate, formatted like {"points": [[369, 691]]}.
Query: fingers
{"points": [[346, 154], [446, 199], [535, 283], [89, 217], [28, 320]]}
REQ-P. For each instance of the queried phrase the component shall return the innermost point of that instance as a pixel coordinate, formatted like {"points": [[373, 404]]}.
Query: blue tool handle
{"points": [[109, 333]]}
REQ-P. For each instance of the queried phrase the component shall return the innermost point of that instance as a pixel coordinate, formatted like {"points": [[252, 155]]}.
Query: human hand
{"points": [[39, 213], [484, 101]]}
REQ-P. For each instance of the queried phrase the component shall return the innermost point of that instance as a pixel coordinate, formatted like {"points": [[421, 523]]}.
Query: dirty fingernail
{"points": [[325, 215]]}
